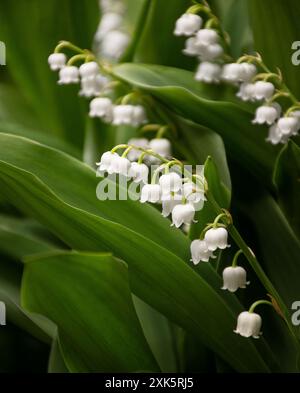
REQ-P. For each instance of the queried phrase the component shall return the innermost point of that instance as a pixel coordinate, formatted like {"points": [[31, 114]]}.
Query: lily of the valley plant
{"points": [[169, 280]]}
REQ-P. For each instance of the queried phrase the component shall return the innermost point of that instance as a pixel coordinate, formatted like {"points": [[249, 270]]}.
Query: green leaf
{"points": [[92, 307], [278, 19], [56, 362], [155, 253], [58, 109], [10, 281], [178, 89], [287, 180], [21, 237]]}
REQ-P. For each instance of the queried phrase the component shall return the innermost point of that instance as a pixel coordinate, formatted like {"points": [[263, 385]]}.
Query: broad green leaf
{"points": [[39, 136], [57, 108], [286, 178], [21, 237], [244, 142], [92, 308], [56, 362], [10, 282], [154, 257], [280, 20]]}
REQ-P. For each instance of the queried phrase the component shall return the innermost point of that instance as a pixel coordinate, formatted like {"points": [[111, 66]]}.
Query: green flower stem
{"points": [[254, 305], [218, 218], [141, 158], [124, 155], [156, 173], [150, 128], [162, 131], [77, 58], [235, 258], [292, 109], [146, 151], [256, 267], [68, 45]]}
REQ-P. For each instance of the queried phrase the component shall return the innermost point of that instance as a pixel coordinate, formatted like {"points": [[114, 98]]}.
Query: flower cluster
{"points": [[110, 37], [95, 85], [203, 43], [179, 196], [206, 44]]}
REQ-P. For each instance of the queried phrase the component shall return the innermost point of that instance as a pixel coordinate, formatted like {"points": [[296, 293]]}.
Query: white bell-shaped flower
{"points": [[249, 324], [170, 182], [93, 86], [192, 47], [188, 24], [101, 107], [246, 92], [120, 165], [200, 252], [57, 61], [288, 125], [216, 238], [150, 193], [210, 52], [247, 72], [169, 202], [238, 72], [123, 114], [207, 37], [106, 161], [134, 154], [109, 21], [263, 90], [68, 75], [193, 193], [161, 146], [275, 135], [231, 72], [139, 116], [234, 277], [89, 70], [267, 114], [139, 173], [114, 44], [183, 214], [208, 72]]}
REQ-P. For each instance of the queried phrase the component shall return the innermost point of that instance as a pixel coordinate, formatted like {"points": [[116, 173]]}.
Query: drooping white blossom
{"points": [[93, 86], [234, 277], [208, 72], [139, 173], [200, 252], [183, 214], [150, 193], [188, 24], [110, 21], [246, 92], [120, 165], [275, 136], [88, 70], [101, 107], [170, 182], [68, 75], [105, 164], [193, 193], [114, 44], [249, 324], [210, 52], [57, 61], [288, 125], [161, 146], [216, 238], [169, 202], [207, 37], [263, 90], [267, 114]]}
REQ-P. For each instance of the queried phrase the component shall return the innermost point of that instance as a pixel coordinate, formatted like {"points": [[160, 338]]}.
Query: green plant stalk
{"points": [[234, 233]]}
